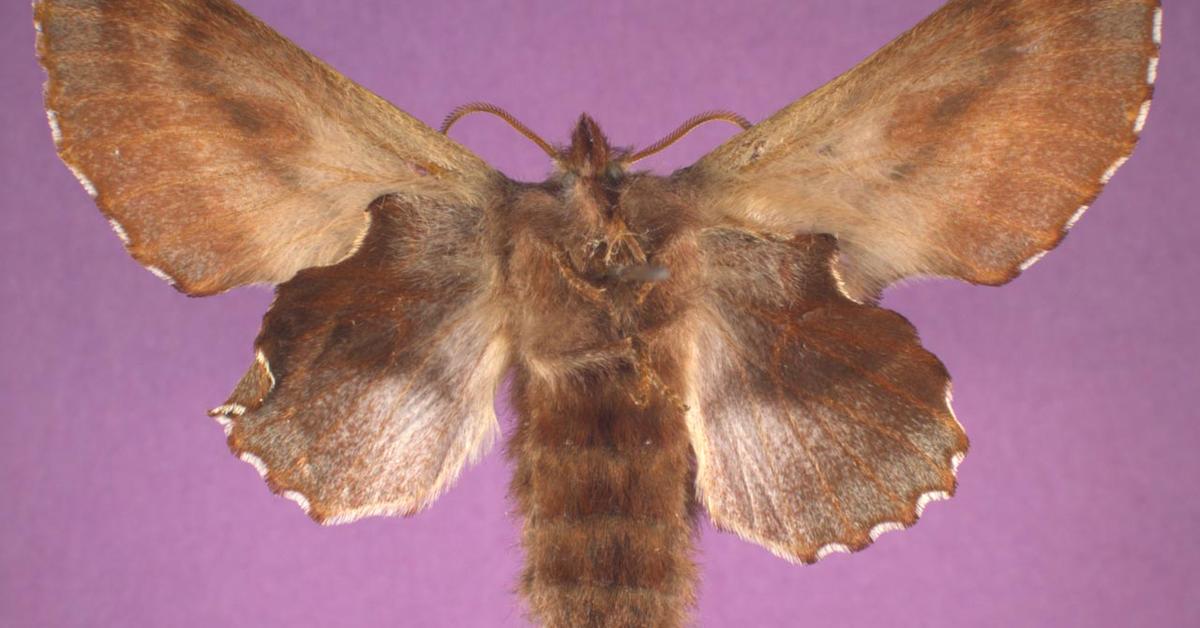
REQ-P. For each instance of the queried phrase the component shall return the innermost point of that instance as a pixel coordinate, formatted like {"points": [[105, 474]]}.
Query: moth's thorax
{"points": [[598, 267], [591, 185]]}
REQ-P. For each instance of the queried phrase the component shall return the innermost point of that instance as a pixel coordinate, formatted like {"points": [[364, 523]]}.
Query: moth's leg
{"points": [[644, 291], [627, 240], [577, 283], [649, 378]]}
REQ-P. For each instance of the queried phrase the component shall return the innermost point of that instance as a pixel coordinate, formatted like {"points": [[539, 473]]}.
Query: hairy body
{"points": [[704, 341], [604, 467]]}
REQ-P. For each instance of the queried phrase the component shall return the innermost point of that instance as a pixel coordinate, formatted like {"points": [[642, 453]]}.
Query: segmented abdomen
{"points": [[603, 480]]}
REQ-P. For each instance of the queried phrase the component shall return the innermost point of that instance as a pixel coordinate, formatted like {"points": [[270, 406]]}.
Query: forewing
{"points": [[374, 379], [965, 148], [818, 423], [222, 153]]}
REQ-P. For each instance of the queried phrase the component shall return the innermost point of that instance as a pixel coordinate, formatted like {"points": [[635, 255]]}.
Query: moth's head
{"points": [[590, 155], [591, 175]]}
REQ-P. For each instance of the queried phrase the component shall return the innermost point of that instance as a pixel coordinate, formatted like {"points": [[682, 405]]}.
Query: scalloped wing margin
{"points": [[818, 423], [374, 378], [221, 153], [966, 148]]}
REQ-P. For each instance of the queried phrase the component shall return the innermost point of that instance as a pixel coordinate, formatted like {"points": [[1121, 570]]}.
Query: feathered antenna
{"points": [[483, 107], [684, 129]]}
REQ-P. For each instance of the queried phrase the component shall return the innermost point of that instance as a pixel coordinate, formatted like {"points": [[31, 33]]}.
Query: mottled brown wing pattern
{"points": [[966, 148], [374, 377], [818, 423], [221, 153]]}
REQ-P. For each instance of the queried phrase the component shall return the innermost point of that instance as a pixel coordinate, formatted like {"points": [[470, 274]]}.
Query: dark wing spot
{"points": [[243, 114], [902, 171], [954, 106]]}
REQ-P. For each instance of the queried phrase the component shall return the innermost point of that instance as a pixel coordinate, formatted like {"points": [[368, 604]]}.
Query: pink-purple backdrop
{"points": [[1078, 383]]}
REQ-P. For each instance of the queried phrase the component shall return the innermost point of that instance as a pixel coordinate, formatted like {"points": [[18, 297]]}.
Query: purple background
{"points": [[122, 506]]}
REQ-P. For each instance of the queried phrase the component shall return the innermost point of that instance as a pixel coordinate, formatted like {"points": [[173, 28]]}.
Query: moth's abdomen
{"points": [[603, 481]]}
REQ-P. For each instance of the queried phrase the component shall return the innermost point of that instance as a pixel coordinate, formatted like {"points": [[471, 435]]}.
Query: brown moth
{"points": [[705, 339]]}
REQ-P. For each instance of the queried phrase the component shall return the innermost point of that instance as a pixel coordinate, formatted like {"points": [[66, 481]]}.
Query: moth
{"points": [[708, 341]]}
